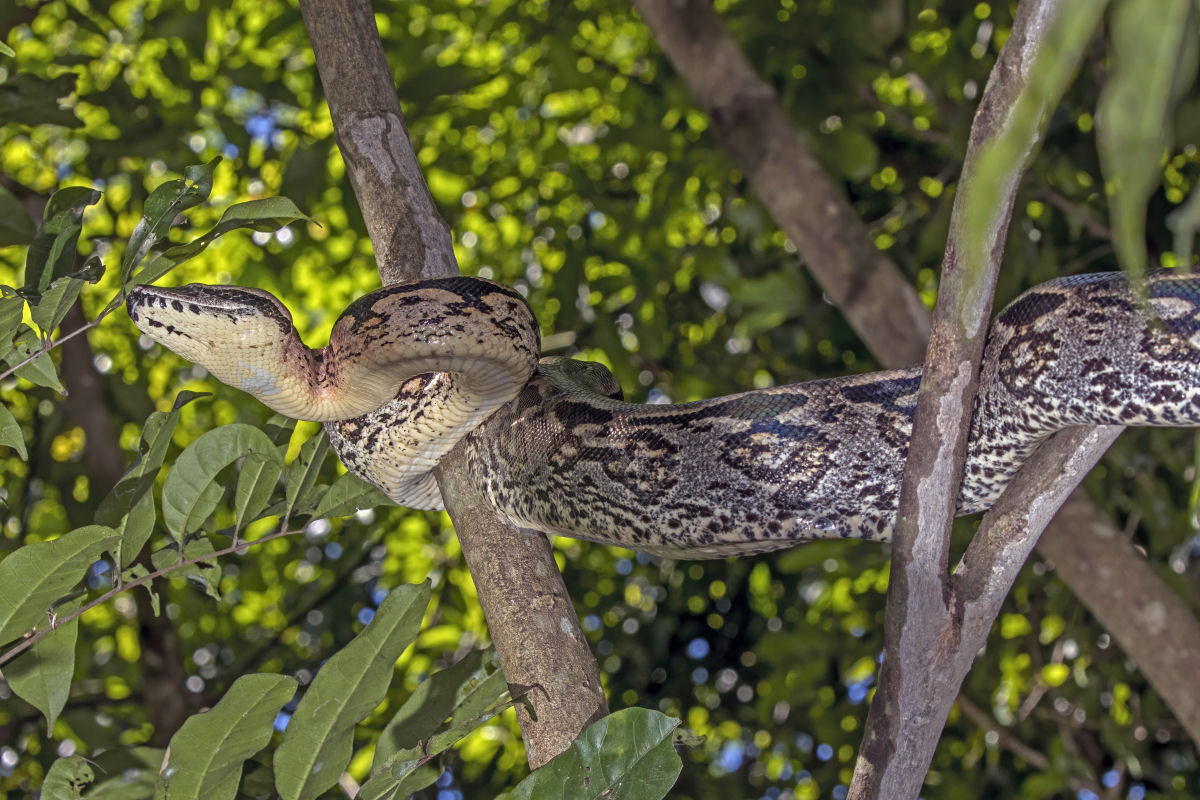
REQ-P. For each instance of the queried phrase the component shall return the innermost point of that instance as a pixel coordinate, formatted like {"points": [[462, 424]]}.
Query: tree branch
{"points": [[935, 624], [1150, 622], [1068, 539], [124, 586], [529, 612], [750, 124]]}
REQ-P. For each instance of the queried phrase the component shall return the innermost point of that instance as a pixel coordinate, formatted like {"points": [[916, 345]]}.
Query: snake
{"points": [[413, 370]]}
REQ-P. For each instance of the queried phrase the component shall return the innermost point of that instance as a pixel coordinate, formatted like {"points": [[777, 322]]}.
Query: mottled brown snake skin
{"points": [[553, 448]]}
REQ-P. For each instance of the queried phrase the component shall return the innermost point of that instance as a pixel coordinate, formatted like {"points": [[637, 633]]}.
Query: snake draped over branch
{"points": [[552, 446]]}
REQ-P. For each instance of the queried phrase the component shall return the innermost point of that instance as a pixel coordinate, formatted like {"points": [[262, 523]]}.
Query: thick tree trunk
{"points": [[532, 622]]}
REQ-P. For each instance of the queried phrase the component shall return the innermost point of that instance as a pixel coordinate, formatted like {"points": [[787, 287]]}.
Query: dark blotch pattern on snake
{"points": [[556, 450]]}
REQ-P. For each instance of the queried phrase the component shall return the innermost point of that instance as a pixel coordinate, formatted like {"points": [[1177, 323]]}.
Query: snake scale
{"points": [[553, 447]]}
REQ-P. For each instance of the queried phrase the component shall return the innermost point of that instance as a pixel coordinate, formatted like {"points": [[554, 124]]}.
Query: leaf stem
{"points": [[48, 345]]}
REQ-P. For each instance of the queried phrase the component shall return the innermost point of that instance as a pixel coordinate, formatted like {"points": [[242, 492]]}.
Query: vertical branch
{"points": [[409, 236], [411, 241], [927, 613]]}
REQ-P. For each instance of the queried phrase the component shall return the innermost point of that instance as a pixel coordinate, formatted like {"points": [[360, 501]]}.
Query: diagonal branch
{"points": [[529, 612], [829, 234]]}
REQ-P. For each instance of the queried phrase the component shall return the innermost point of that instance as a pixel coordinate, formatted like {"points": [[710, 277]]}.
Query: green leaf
{"points": [[12, 308], [256, 481], [629, 754], [318, 742], [163, 205], [135, 527], [1153, 61], [267, 214], [54, 303], [129, 507], [302, 473], [67, 778], [137, 572], [206, 574], [406, 770], [426, 708], [10, 433], [187, 499], [50, 309], [207, 752], [52, 252], [26, 99], [15, 225], [348, 494], [133, 783], [33, 577], [40, 371], [42, 676]]}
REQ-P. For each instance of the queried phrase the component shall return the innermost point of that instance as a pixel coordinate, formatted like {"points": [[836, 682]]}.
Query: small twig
{"points": [[1076, 213], [48, 345], [1011, 743], [16, 650]]}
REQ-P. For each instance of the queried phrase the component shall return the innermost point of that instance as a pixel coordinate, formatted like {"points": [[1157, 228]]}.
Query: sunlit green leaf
{"points": [[33, 577], [628, 754], [317, 744], [207, 752]]}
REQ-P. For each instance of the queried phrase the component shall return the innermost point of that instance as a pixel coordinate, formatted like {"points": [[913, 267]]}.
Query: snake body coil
{"points": [[553, 448]]}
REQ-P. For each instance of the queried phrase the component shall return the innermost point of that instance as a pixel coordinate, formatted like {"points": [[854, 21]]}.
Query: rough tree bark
{"points": [[532, 621], [935, 622], [710, 61]]}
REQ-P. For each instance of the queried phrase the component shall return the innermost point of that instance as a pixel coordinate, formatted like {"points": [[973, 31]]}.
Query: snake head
{"points": [[239, 335]]}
